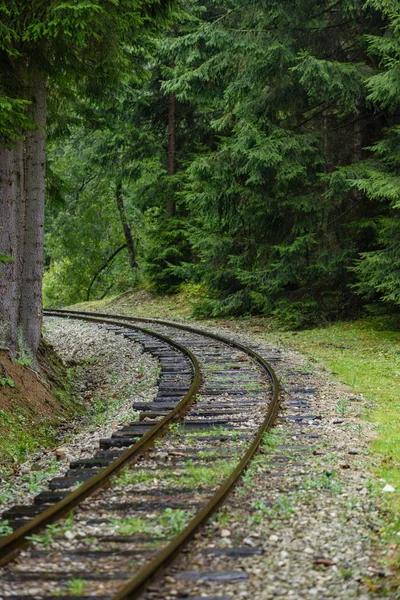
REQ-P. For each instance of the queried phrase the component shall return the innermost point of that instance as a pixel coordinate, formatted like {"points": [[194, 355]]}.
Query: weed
{"points": [[327, 480], [7, 381], [359, 429], [176, 429], [5, 529], [173, 520], [132, 525], [114, 378], [341, 407], [346, 573], [248, 478], [52, 532], [269, 441], [282, 508], [34, 479], [224, 516], [76, 587], [5, 418], [170, 522], [194, 475], [24, 360]]}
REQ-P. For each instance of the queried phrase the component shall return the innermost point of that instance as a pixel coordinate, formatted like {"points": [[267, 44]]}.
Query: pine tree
{"points": [[379, 178]]}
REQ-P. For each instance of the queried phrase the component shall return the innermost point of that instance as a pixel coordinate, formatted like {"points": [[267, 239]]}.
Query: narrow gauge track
{"points": [[120, 537]]}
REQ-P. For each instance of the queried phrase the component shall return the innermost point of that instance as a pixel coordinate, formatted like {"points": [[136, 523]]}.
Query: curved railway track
{"points": [[154, 482]]}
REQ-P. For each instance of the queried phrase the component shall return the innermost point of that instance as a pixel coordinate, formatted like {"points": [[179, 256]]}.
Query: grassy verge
{"points": [[365, 354]]}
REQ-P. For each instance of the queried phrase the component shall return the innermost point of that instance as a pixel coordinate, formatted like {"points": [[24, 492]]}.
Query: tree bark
{"points": [[125, 226], [30, 314], [8, 246], [171, 148]]}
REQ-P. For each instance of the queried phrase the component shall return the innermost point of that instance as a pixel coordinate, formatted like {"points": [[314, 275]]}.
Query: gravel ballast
{"points": [[110, 373], [306, 504]]}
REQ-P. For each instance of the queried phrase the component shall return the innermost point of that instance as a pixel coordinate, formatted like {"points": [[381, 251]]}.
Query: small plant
{"points": [[132, 525], [5, 529], [269, 441], [248, 478], [173, 520], [24, 360], [282, 508], [176, 429], [224, 516], [51, 532], [76, 587], [47, 537], [5, 418], [261, 509], [341, 407], [114, 378], [36, 478], [7, 381], [327, 480]]}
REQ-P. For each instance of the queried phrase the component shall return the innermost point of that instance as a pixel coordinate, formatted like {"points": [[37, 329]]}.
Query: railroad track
{"points": [[115, 521]]}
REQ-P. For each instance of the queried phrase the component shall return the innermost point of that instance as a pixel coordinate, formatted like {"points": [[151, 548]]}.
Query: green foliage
{"points": [[5, 529], [287, 172], [166, 246], [51, 532], [268, 237], [76, 587], [5, 258], [7, 381]]}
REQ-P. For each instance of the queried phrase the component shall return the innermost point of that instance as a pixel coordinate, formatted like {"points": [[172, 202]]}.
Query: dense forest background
{"points": [[250, 148]]}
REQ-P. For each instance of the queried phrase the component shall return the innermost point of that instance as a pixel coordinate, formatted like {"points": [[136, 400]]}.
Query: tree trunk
{"points": [[8, 246], [30, 316], [125, 225], [171, 148]]}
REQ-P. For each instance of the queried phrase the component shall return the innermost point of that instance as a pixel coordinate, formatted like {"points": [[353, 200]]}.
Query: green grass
{"points": [[18, 439], [141, 302], [365, 355], [51, 532], [192, 476], [169, 522]]}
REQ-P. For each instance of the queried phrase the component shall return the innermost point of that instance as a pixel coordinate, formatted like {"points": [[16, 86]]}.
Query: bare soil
{"points": [[31, 392]]}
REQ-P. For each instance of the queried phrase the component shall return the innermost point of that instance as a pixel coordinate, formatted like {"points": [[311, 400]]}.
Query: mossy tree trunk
{"points": [[8, 246]]}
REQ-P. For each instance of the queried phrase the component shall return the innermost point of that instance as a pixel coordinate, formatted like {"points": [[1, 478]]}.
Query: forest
{"points": [[248, 149]]}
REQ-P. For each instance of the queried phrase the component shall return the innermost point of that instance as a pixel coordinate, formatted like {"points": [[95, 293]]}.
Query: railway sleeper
{"points": [[50, 497], [75, 597], [121, 442], [89, 463], [64, 483], [17, 576]]}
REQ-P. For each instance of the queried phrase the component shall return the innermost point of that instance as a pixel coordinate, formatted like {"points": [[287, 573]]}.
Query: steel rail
{"points": [[10, 545], [138, 583]]}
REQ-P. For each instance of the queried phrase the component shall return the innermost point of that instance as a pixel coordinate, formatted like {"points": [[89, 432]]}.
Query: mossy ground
{"points": [[33, 406]]}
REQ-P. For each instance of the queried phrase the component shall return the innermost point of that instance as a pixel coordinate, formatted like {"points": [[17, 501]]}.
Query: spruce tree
{"points": [[283, 88]]}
